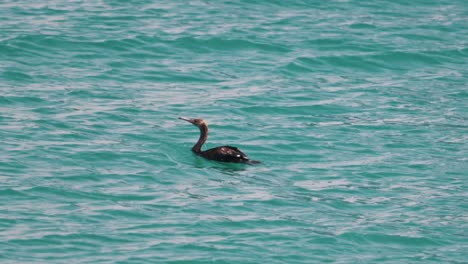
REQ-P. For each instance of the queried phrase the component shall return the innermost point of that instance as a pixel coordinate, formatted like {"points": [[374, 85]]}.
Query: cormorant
{"points": [[223, 153]]}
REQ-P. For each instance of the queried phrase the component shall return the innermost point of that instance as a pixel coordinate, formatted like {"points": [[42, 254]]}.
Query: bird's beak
{"points": [[186, 119]]}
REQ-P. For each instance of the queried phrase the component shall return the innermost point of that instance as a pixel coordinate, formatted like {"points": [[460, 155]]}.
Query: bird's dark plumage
{"points": [[223, 153]]}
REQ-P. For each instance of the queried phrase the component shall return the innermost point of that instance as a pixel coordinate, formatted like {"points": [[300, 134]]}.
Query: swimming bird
{"points": [[223, 153]]}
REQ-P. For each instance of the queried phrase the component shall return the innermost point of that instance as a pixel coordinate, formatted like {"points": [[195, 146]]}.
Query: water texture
{"points": [[358, 110]]}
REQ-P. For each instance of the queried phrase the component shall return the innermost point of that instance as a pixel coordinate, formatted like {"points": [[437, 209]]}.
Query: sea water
{"points": [[358, 111]]}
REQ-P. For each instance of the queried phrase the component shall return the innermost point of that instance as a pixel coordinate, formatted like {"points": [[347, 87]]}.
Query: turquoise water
{"points": [[358, 110]]}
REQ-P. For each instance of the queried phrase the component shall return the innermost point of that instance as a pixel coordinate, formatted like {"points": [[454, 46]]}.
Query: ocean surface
{"points": [[358, 111]]}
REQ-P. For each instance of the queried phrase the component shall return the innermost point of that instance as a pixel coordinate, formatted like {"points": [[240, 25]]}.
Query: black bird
{"points": [[223, 153]]}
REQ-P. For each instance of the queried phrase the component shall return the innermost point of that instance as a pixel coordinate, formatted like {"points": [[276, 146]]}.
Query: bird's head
{"points": [[195, 121]]}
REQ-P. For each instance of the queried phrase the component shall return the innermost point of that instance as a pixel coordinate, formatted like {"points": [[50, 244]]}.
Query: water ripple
{"points": [[357, 111]]}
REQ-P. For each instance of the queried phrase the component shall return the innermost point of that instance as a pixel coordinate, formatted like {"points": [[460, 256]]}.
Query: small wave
{"points": [[224, 44], [375, 61], [323, 184]]}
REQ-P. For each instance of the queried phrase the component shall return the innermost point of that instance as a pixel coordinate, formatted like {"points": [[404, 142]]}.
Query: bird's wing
{"points": [[235, 152], [225, 153]]}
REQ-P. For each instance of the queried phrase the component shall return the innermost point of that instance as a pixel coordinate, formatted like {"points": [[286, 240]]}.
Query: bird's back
{"points": [[226, 154]]}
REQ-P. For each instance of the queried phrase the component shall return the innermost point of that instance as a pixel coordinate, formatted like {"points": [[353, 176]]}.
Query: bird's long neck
{"points": [[203, 136]]}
